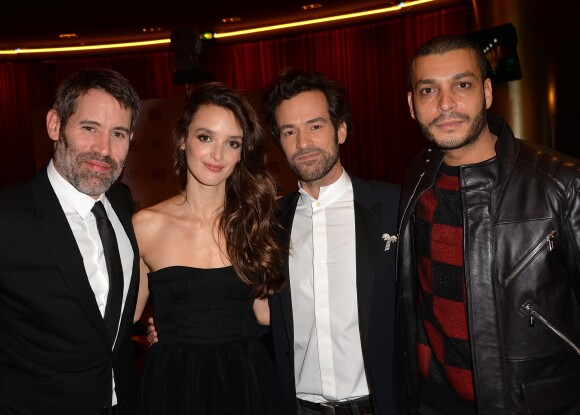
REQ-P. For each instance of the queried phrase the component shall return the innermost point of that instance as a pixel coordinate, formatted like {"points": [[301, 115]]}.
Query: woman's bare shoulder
{"points": [[152, 219]]}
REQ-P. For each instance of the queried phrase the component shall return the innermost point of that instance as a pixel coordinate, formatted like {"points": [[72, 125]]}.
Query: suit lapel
{"points": [[61, 242], [367, 211]]}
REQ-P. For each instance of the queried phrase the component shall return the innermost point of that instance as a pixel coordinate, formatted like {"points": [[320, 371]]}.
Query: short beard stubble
{"points": [[473, 134], [70, 163], [311, 172]]}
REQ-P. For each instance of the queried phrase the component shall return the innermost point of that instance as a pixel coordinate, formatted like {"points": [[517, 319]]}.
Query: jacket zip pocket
{"points": [[547, 240], [533, 314]]}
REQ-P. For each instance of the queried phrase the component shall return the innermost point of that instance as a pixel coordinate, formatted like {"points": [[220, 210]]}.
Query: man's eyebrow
{"points": [[315, 120], [310, 121], [121, 128], [431, 81], [98, 124], [464, 75], [286, 126]]}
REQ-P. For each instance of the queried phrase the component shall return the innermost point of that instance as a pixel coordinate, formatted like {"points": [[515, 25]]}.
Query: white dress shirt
{"points": [[327, 348], [77, 209]]}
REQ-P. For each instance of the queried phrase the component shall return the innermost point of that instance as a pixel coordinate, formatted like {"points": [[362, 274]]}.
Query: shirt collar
{"points": [[331, 192], [80, 202]]}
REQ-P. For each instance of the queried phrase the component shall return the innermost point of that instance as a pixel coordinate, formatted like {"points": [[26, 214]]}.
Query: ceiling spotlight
{"points": [[231, 20], [311, 6], [68, 36], [151, 29]]}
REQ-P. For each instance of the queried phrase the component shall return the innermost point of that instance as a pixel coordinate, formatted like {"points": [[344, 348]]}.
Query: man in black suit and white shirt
{"points": [[332, 324], [63, 348]]}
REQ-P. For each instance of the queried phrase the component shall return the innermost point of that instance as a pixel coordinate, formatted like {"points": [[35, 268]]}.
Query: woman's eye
{"points": [[203, 137]]}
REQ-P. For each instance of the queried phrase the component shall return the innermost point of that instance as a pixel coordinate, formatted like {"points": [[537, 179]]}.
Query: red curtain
{"points": [[369, 60]]}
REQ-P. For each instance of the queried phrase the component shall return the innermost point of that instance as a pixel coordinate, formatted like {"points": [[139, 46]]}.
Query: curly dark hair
{"points": [[294, 81], [447, 43], [248, 220], [107, 80]]}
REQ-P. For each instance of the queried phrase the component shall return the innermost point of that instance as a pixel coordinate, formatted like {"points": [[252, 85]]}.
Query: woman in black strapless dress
{"points": [[209, 256]]}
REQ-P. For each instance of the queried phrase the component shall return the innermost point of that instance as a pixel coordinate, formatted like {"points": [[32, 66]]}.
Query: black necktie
{"points": [[114, 269]]}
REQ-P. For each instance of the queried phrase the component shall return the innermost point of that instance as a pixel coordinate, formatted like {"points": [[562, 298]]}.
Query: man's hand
{"points": [[151, 332]]}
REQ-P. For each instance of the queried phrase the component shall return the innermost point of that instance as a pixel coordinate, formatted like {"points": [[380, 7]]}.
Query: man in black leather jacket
{"points": [[488, 312]]}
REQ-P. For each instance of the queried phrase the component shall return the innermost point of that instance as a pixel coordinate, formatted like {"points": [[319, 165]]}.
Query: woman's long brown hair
{"points": [[248, 220]]}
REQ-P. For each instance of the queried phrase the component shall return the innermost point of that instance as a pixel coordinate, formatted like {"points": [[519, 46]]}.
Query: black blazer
{"points": [[376, 208], [55, 354]]}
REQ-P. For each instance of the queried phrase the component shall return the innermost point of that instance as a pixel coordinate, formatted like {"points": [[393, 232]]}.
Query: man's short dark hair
{"points": [[106, 80], [292, 82], [447, 43]]}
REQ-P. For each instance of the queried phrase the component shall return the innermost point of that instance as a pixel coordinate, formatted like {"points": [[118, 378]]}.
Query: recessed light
{"points": [[231, 19], [311, 6], [68, 36]]}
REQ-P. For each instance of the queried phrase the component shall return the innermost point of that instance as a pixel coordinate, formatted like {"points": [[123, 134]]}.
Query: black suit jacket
{"points": [[55, 353], [376, 207]]}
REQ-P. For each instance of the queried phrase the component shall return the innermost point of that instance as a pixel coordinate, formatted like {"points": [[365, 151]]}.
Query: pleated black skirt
{"points": [[235, 378]]}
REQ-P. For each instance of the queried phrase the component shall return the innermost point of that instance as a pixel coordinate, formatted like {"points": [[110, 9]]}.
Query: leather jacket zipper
{"points": [[419, 179], [546, 240], [529, 309], [410, 199], [405, 212]]}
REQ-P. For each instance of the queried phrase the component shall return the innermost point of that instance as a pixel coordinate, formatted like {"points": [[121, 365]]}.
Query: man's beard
{"points": [[473, 134], [318, 169], [70, 163]]}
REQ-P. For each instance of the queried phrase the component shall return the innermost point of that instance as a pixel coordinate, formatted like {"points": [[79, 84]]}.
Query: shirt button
{"points": [[317, 204]]}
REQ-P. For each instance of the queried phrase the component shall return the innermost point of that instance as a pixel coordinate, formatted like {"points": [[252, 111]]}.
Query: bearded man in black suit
{"points": [[333, 323], [66, 302]]}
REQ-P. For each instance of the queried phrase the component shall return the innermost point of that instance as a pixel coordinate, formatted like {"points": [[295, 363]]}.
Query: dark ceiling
{"points": [[38, 24]]}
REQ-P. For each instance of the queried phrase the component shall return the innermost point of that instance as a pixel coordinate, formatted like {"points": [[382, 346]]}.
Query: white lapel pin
{"points": [[390, 239]]}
